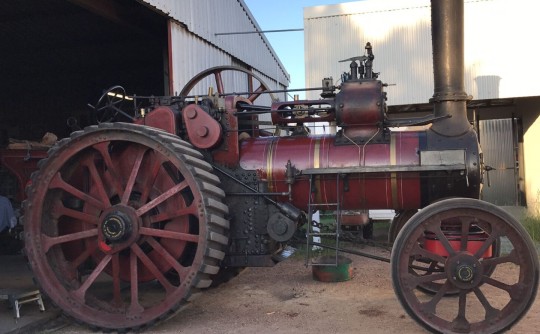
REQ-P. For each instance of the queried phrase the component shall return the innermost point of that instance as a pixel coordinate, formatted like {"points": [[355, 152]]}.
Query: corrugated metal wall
{"points": [[497, 138], [192, 55], [497, 34], [196, 47], [400, 38]]}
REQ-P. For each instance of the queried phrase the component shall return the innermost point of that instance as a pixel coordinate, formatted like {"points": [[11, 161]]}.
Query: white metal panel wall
{"points": [[499, 53], [205, 18]]}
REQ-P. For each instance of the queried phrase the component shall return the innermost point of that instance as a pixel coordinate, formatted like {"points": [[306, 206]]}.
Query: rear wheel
{"points": [[123, 223]]}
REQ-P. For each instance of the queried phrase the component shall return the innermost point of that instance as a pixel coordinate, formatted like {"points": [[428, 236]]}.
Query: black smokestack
{"points": [[448, 66]]}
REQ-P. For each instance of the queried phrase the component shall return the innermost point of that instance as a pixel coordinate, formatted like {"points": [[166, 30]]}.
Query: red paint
{"points": [[203, 130], [435, 246], [373, 191], [162, 118]]}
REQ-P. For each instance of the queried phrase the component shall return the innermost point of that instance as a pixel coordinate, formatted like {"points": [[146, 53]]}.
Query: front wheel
{"points": [[460, 238]]}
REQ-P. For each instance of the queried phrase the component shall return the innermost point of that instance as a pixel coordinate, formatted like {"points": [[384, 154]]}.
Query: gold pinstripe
{"points": [[317, 164], [270, 165], [393, 176]]}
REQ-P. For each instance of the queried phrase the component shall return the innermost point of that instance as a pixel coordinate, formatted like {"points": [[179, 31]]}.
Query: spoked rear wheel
{"points": [[123, 223], [459, 237]]}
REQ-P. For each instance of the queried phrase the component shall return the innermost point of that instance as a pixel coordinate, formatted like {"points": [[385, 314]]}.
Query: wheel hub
{"points": [[116, 227], [464, 270]]}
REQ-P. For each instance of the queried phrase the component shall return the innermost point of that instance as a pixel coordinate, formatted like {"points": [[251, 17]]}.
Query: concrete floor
{"points": [[16, 276]]}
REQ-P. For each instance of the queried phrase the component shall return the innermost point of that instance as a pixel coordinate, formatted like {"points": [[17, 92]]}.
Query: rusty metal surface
{"points": [[466, 267]]}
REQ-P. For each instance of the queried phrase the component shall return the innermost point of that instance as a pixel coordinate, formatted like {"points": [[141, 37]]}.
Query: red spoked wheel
{"points": [[458, 237], [122, 224]]}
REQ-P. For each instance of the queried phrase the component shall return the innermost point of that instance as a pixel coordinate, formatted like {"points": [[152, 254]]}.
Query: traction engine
{"points": [[125, 221]]}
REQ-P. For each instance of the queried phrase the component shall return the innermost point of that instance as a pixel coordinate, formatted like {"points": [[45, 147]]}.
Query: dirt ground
{"points": [[285, 299]]}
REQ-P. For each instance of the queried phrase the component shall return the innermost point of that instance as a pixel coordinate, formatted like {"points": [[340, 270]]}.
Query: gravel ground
{"points": [[285, 299]]}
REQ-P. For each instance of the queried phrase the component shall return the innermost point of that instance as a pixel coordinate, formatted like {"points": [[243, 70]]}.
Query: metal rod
{"points": [[350, 251], [255, 191], [256, 32], [258, 194], [269, 91], [240, 93]]}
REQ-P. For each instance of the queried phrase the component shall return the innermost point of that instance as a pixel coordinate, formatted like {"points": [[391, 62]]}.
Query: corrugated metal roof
{"points": [[499, 58], [205, 18]]}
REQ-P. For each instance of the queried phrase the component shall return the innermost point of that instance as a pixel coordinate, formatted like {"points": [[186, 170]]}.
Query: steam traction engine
{"points": [[124, 222]]}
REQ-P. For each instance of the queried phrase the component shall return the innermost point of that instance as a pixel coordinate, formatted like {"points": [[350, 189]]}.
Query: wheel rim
{"points": [[494, 290], [398, 222], [118, 233]]}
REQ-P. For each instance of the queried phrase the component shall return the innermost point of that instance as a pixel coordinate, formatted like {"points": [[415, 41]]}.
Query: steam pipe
{"points": [[449, 99]]}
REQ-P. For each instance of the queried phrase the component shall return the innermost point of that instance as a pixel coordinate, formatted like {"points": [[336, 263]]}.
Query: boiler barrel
{"points": [[269, 157], [410, 187]]}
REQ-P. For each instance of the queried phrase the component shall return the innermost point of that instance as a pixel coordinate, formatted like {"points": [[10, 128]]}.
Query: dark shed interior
{"points": [[60, 55]]}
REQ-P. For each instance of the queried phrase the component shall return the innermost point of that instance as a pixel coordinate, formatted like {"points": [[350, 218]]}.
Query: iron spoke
{"points": [[161, 198], [181, 270], [499, 285], [169, 288], [83, 256], [190, 210], [219, 82], [489, 241], [135, 307], [427, 254], [460, 323], [81, 291], [58, 182], [494, 261], [133, 176], [117, 297], [432, 304], [149, 178], [60, 210], [103, 149], [443, 239], [169, 234], [48, 242], [465, 226], [491, 312], [256, 93], [415, 280], [96, 178]]}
